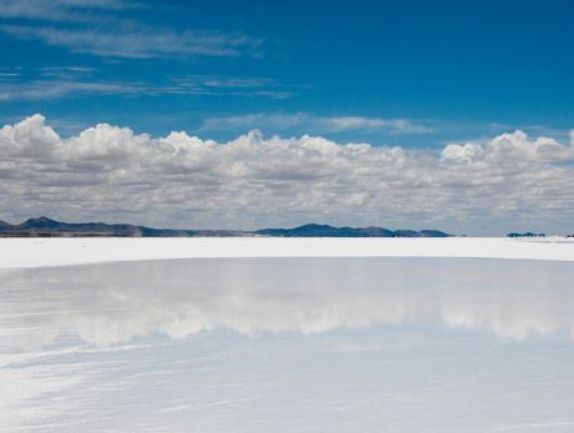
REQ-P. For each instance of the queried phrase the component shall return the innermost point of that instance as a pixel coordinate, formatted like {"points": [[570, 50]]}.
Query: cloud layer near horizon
{"points": [[111, 173]]}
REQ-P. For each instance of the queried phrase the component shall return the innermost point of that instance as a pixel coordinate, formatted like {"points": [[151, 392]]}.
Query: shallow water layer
{"points": [[289, 345]]}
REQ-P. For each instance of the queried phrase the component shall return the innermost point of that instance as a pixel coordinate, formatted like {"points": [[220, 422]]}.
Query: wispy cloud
{"points": [[65, 11], [10, 73], [248, 87], [59, 89], [138, 42], [95, 27], [281, 122], [65, 71], [58, 82]]}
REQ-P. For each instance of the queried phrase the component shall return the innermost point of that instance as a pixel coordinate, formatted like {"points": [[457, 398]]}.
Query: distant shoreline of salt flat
{"points": [[40, 252]]}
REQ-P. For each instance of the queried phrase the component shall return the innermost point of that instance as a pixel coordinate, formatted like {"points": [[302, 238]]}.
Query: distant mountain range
{"points": [[46, 227], [318, 230], [526, 235]]}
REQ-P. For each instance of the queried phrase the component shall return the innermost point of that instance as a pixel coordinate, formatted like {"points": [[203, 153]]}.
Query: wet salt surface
{"points": [[289, 345]]}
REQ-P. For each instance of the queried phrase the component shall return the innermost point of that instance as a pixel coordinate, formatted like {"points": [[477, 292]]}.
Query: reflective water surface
{"points": [[289, 345]]}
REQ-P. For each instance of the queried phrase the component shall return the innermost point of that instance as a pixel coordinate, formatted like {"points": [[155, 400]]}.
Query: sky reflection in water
{"points": [[289, 345]]}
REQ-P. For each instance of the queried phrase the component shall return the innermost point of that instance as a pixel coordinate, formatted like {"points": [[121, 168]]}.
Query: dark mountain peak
{"points": [[374, 231], [314, 226], [434, 234], [406, 234], [42, 222]]}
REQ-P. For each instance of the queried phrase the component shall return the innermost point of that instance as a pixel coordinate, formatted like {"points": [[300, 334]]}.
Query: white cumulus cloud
{"points": [[108, 172], [516, 146]]}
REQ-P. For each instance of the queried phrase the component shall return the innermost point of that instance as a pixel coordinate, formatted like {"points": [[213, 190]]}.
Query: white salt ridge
{"points": [[36, 252]]}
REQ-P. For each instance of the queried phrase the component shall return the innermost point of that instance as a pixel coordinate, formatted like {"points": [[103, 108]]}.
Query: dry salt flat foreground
{"points": [[36, 252], [166, 335]]}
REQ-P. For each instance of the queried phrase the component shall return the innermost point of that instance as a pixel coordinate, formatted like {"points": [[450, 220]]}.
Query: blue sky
{"points": [[459, 69], [426, 85]]}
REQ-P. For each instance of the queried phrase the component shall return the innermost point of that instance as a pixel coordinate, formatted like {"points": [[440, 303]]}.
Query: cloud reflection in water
{"points": [[114, 303], [287, 345]]}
